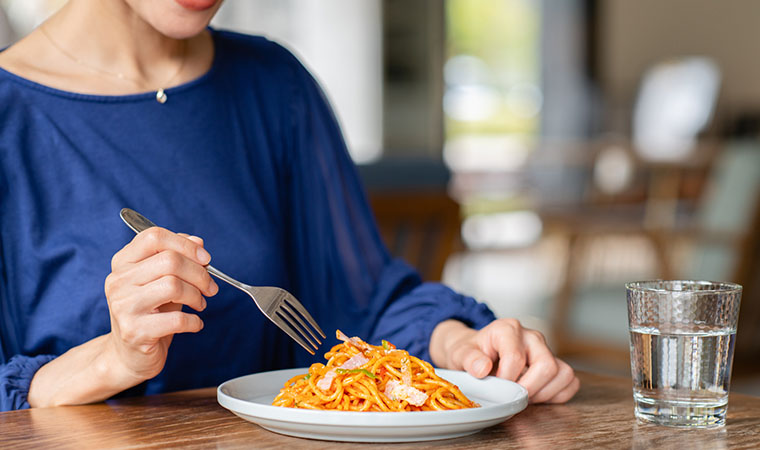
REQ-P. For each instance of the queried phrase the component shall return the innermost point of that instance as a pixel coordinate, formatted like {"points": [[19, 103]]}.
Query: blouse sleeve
{"points": [[16, 371], [341, 270], [15, 377]]}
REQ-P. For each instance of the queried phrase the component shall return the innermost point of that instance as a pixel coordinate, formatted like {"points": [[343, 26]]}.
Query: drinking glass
{"points": [[682, 345]]}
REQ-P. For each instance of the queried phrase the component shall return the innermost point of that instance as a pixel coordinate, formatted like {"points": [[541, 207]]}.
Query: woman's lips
{"points": [[196, 5]]}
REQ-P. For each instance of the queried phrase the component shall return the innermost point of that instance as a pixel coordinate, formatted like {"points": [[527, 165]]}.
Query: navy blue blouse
{"points": [[250, 157]]}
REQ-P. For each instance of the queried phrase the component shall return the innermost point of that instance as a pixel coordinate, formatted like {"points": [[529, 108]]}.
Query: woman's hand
{"points": [[505, 349], [152, 277]]}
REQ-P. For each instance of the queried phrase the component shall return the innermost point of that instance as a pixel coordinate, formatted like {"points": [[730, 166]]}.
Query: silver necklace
{"points": [[161, 96]]}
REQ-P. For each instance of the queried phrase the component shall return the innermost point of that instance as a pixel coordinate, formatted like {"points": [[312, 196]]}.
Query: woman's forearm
{"points": [[85, 374]]}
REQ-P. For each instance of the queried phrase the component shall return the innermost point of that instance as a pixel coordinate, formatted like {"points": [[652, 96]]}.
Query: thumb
{"points": [[476, 363]]}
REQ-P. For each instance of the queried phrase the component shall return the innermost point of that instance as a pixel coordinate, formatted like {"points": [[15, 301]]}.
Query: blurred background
{"points": [[540, 154]]}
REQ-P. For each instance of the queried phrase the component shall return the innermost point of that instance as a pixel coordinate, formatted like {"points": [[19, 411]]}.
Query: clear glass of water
{"points": [[682, 345]]}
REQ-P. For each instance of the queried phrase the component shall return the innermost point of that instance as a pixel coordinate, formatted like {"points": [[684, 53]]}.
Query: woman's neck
{"points": [[103, 47], [107, 34]]}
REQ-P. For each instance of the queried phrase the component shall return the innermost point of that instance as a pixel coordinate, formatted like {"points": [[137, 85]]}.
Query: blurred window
{"points": [[493, 99], [675, 103], [492, 114]]}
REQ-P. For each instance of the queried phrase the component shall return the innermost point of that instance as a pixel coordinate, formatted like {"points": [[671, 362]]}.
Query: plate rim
{"points": [[371, 419]]}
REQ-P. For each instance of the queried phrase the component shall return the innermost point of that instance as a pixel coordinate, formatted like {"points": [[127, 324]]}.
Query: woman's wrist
{"points": [[445, 335], [88, 373], [109, 366]]}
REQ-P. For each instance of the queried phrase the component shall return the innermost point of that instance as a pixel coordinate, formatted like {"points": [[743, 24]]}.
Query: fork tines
{"points": [[289, 316]]}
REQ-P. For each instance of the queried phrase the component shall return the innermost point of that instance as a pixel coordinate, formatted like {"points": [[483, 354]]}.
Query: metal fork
{"points": [[279, 305]]}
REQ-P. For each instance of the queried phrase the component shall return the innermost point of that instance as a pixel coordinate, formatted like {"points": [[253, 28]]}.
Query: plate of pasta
{"points": [[372, 393]]}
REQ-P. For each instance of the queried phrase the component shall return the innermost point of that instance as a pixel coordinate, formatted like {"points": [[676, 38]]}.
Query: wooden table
{"points": [[600, 416]]}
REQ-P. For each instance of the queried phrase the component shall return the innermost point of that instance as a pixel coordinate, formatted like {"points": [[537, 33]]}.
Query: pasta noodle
{"points": [[363, 377]]}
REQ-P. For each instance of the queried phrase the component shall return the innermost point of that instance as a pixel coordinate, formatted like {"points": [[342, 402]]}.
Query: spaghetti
{"points": [[363, 377]]}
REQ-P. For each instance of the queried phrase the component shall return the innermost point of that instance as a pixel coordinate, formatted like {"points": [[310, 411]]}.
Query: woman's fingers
{"points": [[168, 323], [155, 240], [154, 254], [469, 357], [144, 332], [523, 355], [151, 298], [169, 262], [502, 339], [542, 365], [561, 388], [567, 393], [169, 289], [195, 239]]}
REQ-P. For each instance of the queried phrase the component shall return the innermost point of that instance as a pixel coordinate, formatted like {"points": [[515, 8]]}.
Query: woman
{"points": [[137, 103]]}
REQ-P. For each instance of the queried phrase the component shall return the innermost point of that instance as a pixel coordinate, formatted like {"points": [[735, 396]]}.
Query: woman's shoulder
{"points": [[11, 56], [258, 52], [22, 59], [11, 92]]}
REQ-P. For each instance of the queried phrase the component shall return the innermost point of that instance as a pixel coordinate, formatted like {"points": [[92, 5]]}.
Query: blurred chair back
{"points": [[729, 247], [417, 219], [727, 211], [420, 227], [747, 357]]}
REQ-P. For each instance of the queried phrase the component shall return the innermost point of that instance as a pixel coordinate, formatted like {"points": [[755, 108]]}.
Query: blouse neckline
{"points": [[142, 96]]}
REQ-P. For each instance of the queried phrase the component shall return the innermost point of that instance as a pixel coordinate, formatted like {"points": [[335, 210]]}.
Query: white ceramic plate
{"points": [[250, 397]]}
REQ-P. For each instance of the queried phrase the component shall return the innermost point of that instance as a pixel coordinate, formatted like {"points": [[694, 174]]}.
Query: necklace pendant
{"points": [[161, 96]]}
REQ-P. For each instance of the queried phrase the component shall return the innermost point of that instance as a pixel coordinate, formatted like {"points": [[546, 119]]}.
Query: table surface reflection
{"points": [[601, 415]]}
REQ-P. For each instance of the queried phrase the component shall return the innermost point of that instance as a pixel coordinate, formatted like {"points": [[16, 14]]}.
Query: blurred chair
{"points": [[674, 105], [417, 219], [725, 244], [717, 242], [747, 356], [420, 227]]}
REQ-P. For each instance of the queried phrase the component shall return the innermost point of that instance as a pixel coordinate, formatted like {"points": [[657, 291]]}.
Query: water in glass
{"points": [[681, 375]]}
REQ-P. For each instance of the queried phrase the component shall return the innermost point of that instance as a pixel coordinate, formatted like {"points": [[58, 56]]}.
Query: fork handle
{"points": [[137, 222]]}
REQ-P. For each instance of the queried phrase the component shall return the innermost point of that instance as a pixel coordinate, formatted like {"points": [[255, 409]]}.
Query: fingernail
{"points": [[479, 366], [213, 288], [203, 256], [204, 304]]}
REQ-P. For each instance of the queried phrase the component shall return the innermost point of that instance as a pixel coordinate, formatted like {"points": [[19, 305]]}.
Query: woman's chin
{"points": [[178, 19], [182, 30]]}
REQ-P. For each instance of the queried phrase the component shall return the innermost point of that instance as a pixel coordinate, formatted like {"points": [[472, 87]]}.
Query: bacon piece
{"points": [[355, 341], [395, 390], [326, 382], [406, 372], [355, 361]]}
